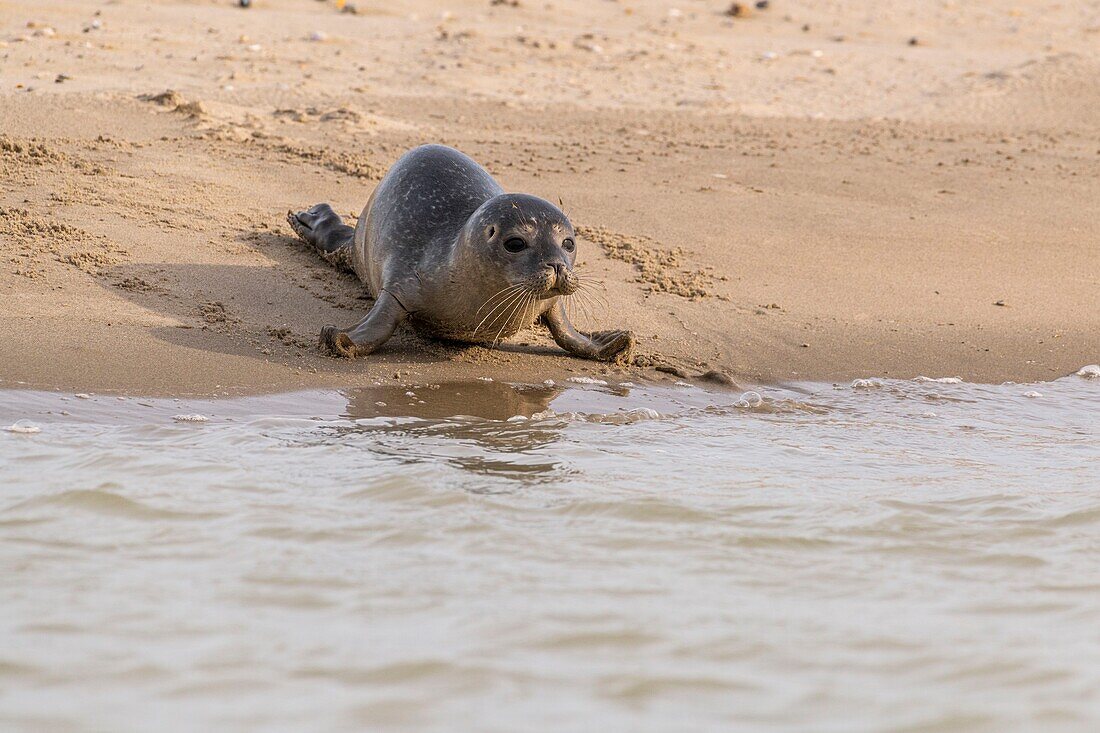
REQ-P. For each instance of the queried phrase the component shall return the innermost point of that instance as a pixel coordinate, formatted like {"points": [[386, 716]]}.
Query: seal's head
{"points": [[527, 241]]}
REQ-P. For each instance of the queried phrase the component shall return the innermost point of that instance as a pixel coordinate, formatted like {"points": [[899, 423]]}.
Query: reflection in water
{"points": [[887, 556], [485, 432], [484, 399]]}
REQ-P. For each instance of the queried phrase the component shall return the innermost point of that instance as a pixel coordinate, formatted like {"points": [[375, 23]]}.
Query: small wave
{"points": [[23, 427], [98, 501], [393, 673], [1092, 371], [586, 380], [589, 640], [627, 417]]}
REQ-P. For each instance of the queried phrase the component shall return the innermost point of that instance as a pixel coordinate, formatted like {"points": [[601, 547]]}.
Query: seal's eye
{"points": [[568, 245], [515, 244]]}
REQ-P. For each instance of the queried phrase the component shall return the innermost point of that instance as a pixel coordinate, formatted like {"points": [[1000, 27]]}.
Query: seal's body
{"points": [[441, 244]]}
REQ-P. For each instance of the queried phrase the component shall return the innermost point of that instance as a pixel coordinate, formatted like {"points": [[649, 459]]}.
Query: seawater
{"points": [[876, 556]]}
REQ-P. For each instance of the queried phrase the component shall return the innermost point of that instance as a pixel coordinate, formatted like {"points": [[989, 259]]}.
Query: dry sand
{"points": [[798, 194]]}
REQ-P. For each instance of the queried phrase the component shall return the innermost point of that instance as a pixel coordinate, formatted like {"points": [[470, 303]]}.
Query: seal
{"points": [[442, 246]]}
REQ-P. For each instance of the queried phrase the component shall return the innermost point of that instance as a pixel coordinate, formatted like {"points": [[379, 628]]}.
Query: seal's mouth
{"points": [[560, 280]]}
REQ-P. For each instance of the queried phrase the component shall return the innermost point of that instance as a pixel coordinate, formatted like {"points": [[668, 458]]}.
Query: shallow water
{"points": [[892, 556]]}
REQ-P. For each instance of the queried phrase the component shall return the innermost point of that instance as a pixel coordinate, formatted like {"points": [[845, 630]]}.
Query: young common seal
{"points": [[441, 244]]}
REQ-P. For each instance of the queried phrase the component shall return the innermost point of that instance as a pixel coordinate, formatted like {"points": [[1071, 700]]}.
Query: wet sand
{"points": [[797, 195]]}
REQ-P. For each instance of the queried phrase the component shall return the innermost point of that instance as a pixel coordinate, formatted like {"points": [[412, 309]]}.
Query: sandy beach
{"points": [[815, 191]]}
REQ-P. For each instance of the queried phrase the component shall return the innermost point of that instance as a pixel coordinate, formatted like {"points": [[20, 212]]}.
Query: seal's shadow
{"points": [[271, 306]]}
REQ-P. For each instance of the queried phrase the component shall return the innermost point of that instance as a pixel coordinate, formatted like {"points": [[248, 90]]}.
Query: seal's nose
{"points": [[563, 282], [561, 273]]}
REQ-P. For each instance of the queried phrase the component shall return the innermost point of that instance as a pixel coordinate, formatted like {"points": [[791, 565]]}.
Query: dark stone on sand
{"points": [[673, 370], [717, 377]]}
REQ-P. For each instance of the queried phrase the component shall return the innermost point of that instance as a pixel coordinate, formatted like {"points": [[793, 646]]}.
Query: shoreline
{"points": [[483, 398]]}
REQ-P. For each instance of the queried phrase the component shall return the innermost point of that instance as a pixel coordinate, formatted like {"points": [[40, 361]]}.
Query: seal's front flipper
{"points": [[367, 335], [323, 228], [600, 345]]}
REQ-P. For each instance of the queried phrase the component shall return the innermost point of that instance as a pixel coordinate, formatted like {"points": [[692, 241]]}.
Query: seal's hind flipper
{"points": [[323, 228]]}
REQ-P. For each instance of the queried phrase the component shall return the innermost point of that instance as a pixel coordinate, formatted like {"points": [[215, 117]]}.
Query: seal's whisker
{"points": [[524, 303], [573, 307], [593, 308], [494, 295], [508, 305], [570, 307], [489, 317], [598, 305], [494, 301], [502, 307], [593, 290], [496, 338], [581, 301]]}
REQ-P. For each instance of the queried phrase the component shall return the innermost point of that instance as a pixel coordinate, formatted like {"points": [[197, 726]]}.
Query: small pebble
{"points": [[318, 36]]}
